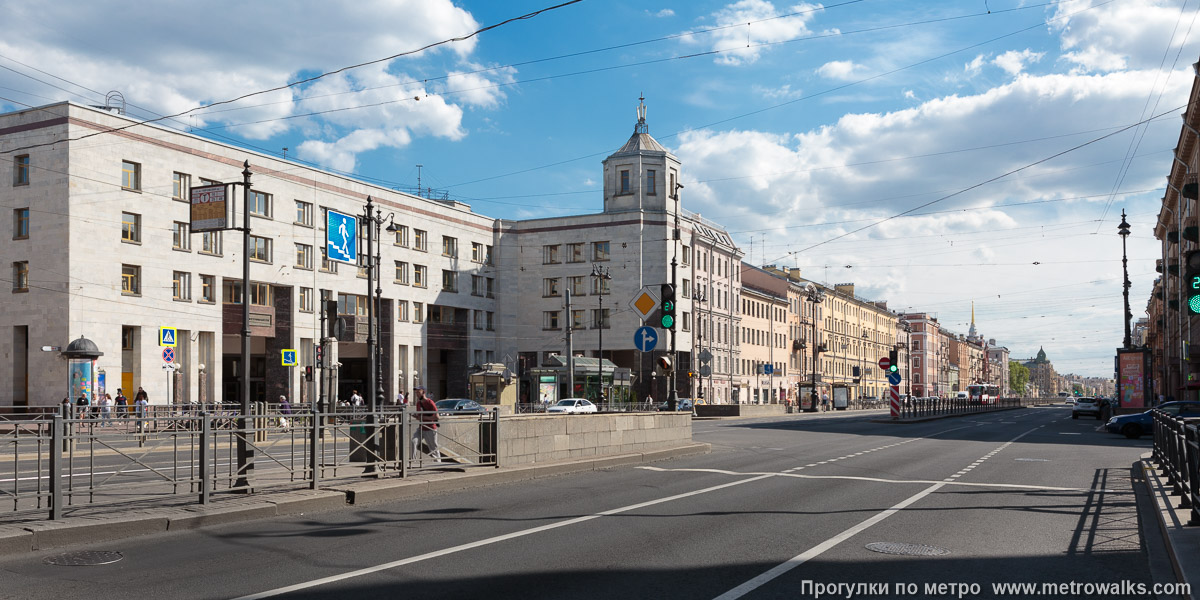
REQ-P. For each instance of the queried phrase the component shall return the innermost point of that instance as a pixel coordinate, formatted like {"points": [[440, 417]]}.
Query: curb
{"points": [[42, 535], [1182, 541]]}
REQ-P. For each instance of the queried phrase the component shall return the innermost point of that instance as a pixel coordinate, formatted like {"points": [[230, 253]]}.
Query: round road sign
{"points": [[168, 355], [884, 363]]}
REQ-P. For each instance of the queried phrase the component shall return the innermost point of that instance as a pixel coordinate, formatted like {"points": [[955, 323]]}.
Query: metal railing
{"points": [[1177, 452], [166, 455], [936, 407]]}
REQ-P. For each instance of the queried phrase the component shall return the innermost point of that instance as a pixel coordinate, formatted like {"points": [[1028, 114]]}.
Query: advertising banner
{"points": [[209, 208], [81, 379], [1132, 379]]}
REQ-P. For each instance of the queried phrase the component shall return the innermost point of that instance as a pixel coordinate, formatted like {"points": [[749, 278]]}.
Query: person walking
{"points": [[140, 406], [355, 399], [426, 412], [106, 406], [81, 406], [122, 405], [824, 401], [285, 413]]}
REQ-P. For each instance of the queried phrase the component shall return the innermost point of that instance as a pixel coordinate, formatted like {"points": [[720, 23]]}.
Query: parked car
{"points": [[1136, 425], [1086, 406], [573, 406], [458, 406], [680, 404]]}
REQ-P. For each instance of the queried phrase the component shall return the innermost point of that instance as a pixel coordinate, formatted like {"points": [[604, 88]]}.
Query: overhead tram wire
{"points": [[526, 16], [987, 181]]}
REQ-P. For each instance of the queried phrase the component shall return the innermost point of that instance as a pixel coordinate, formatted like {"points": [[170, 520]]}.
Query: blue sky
{"points": [[803, 127]]}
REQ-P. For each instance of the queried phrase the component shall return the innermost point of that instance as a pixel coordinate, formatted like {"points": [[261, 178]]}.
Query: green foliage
{"points": [[1018, 377]]}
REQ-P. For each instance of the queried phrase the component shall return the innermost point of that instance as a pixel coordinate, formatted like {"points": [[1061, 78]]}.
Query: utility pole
{"points": [[570, 347], [672, 393], [372, 358], [601, 275], [245, 452]]}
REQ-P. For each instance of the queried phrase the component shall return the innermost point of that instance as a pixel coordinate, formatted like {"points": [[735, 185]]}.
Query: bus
{"points": [[983, 393]]}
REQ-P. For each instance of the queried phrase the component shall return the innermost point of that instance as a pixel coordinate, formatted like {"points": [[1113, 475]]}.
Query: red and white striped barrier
{"points": [[895, 402]]}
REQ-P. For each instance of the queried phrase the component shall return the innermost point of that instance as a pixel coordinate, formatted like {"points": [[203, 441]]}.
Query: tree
{"points": [[1018, 377]]}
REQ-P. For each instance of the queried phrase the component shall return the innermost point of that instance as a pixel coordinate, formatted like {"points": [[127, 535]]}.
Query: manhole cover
{"points": [[906, 549], [85, 558]]}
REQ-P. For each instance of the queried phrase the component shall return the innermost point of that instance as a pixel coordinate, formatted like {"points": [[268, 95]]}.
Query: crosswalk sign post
{"points": [[167, 337]]}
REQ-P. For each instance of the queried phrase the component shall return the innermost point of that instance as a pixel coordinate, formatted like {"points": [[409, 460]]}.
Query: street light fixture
{"points": [[601, 275], [673, 394], [1123, 231], [815, 296], [862, 357]]}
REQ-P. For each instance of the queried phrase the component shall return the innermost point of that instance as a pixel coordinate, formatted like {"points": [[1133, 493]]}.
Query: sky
{"points": [[939, 154]]}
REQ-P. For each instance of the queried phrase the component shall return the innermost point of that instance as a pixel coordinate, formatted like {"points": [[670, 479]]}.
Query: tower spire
{"points": [[641, 113], [971, 333]]}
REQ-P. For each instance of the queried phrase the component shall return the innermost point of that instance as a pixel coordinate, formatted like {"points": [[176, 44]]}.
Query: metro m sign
{"points": [[208, 208]]}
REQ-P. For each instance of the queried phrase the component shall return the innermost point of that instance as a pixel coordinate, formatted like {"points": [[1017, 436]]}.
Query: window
{"points": [[578, 285], [208, 288], [651, 182], [306, 299], [551, 287], [259, 203], [687, 288], [260, 249], [402, 235], [577, 319], [181, 238], [181, 185], [449, 246], [487, 255], [550, 255], [600, 318], [181, 286], [128, 335], [418, 314], [479, 319], [575, 252], [491, 321], [687, 255], [210, 243], [449, 281], [599, 250], [327, 265], [304, 213], [477, 252], [401, 272], [419, 237], [304, 256], [363, 265], [131, 228], [260, 294], [600, 286], [550, 319], [131, 280], [491, 287], [131, 175], [21, 224], [625, 182], [21, 170], [419, 279], [20, 276], [477, 285], [402, 310], [687, 321], [231, 291]]}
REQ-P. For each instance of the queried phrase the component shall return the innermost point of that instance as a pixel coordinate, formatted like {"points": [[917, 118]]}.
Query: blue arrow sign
{"points": [[645, 339], [894, 378], [341, 237]]}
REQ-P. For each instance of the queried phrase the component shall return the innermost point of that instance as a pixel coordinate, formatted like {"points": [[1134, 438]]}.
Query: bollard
{"points": [[57, 443], [205, 441]]}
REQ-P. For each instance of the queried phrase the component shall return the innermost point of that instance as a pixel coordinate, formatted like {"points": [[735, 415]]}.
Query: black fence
{"points": [[1177, 452], [916, 408]]}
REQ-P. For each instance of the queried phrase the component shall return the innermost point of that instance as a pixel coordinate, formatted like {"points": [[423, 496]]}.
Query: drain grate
{"points": [[85, 558], [906, 549]]}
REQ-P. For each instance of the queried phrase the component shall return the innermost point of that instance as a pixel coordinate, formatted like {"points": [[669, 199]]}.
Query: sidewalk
{"points": [[108, 523], [1182, 540]]}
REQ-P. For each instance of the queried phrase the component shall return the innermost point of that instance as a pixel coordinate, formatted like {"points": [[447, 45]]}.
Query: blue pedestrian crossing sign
{"points": [[289, 357], [645, 338], [167, 337], [341, 237], [894, 378]]}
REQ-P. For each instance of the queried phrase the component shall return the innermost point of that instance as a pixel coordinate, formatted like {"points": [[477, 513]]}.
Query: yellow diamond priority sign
{"points": [[644, 302]]}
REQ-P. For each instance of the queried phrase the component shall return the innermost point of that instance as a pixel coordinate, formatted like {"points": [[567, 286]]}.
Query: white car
{"points": [[573, 406]]}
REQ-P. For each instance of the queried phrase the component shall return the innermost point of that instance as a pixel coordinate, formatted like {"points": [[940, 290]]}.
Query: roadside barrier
{"points": [[1177, 453], [936, 407]]}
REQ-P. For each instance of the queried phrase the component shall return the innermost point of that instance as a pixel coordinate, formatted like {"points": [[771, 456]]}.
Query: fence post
{"points": [[57, 440], [496, 436], [314, 444], [403, 442], [205, 442]]}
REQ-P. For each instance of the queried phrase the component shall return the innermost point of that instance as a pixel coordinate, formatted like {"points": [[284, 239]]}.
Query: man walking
{"points": [[427, 431]]}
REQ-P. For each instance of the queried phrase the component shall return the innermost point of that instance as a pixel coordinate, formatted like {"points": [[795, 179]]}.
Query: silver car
{"points": [[1086, 406], [573, 406]]}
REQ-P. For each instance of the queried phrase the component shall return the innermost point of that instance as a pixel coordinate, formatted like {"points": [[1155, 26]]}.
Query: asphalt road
{"points": [[779, 507]]}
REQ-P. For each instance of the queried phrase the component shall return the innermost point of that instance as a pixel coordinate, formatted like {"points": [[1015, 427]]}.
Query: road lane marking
{"points": [[821, 548], [492, 540], [1015, 486]]}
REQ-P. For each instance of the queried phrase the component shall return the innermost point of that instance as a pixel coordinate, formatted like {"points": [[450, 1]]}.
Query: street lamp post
{"points": [[673, 394], [1123, 231], [862, 358], [699, 298], [601, 275], [815, 296]]}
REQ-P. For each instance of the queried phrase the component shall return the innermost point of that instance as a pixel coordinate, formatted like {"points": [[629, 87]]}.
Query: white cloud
{"points": [[910, 95], [783, 92], [975, 65], [475, 89], [1104, 37], [666, 12], [842, 70], [738, 42], [1014, 62]]}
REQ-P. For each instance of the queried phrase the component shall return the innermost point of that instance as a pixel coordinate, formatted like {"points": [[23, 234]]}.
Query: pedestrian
{"points": [[650, 402], [401, 399], [141, 404], [106, 406], [122, 404], [81, 406], [427, 432], [285, 413], [355, 399], [66, 407], [824, 401], [141, 395]]}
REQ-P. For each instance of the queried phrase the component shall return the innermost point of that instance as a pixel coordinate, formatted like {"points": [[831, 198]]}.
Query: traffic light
{"points": [[667, 292], [894, 358], [320, 355], [1192, 282], [664, 362], [308, 373]]}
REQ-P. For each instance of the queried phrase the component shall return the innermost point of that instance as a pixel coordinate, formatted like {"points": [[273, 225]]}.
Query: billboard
{"points": [[209, 207], [1131, 378]]}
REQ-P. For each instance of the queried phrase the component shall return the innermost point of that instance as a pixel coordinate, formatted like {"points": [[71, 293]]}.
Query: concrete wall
{"points": [[545, 438], [740, 410]]}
